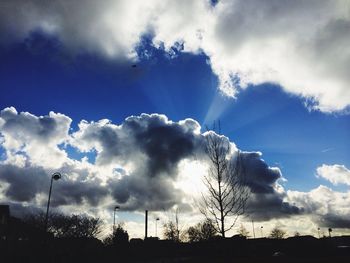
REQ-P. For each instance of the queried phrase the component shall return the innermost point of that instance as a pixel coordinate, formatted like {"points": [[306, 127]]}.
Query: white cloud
{"points": [[336, 174], [291, 43], [37, 137], [301, 45], [326, 207]]}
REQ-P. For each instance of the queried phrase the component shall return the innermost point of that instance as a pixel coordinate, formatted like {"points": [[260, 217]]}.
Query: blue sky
{"points": [[280, 91], [39, 75]]}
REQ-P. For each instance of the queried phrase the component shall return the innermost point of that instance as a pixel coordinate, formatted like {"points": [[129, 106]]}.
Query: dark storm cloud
{"points": [[141, 192], [79, 192], [24, 183], [265, 201], [259, 176], [268, 206], [334, 221], [155, 146], [165, 143], [267, 198]]}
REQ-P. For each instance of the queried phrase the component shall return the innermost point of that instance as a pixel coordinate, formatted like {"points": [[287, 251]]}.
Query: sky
{"points": [[118, 96]]}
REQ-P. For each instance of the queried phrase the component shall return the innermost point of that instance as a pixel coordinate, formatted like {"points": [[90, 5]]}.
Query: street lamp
{"points": [[115, 208], [261, 229], [318, 229], [54, 176], [253, 228], [157, 219]]}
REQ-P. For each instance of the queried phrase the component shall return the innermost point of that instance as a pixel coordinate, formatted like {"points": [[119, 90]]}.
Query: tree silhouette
{"points": [[78, 226], [277, 233], [171, 231], [37, 219], [227, 192], [61, 225], [296, 234], [201, 231], [242, 231], [119, 236]]}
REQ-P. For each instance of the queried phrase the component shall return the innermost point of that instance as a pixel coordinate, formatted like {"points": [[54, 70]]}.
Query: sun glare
{"points": [[191, 174]]}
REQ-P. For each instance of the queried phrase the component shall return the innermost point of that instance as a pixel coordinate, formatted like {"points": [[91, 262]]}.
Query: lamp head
{"points": [[116, 207], [56, 176]]}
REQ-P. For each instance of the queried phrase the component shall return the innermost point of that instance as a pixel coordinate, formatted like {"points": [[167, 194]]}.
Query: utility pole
{"points": [[157, 219], [115, 208], [253, 228], [146, 223]]}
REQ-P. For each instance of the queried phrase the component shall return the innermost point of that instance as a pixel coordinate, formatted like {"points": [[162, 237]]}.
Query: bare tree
{"points": [[171, 232], [277, 233], [171, 229], [242, 231], [227, 192]]}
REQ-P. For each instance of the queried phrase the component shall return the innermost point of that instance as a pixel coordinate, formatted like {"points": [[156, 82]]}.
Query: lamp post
{"points": [[157, 219], [253, 228], [54, 176], [261, 229], [318, 230], [115, 208]]}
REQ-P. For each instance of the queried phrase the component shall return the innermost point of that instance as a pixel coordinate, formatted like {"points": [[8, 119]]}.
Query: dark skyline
{"points": [[117, 97]]}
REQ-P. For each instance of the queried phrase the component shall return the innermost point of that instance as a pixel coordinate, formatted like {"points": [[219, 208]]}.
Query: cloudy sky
{"points": [[117, 94]]}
